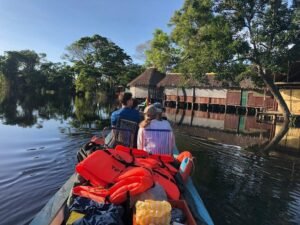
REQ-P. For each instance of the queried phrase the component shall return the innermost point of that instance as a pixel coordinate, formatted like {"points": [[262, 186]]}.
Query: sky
{"points": [[48, 26]]}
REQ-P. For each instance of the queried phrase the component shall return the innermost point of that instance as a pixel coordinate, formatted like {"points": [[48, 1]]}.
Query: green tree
{"points": [[270, 31], [99, 58], [58, 76], [227, 36], [205, 40], [162, 53], [85, 83], [3, 87], [27, 71], [131, 71]]}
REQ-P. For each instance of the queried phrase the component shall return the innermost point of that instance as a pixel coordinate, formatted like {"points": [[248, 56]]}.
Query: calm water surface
{"points": [[40, 135]]}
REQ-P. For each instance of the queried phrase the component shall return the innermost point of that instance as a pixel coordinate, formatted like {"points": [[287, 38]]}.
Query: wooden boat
{"points": [[53, 212]]}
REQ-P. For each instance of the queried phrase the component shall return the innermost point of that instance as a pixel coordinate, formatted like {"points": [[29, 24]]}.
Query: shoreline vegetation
{"points": [[234, 40]]}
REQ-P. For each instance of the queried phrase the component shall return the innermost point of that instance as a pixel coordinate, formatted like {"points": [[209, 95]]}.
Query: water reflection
{"points": [[38, 154], [232, 129], [32, 109], [40, 135], [240, 187]]}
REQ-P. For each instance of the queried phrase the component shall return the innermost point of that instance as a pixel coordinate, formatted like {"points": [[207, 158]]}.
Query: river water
{"points": [[40, 136]]}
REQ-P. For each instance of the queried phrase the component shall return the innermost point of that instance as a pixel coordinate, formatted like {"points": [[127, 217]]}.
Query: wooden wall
{"points": [[139, 92], [292, 99], [144, 92], [251, 98]]}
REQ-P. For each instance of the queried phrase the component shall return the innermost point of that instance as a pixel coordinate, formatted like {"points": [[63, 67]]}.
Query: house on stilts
{"points": [[215, 95], [145, 85]]}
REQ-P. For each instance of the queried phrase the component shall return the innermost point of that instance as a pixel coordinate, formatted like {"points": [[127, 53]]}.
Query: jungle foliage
{"points": [[233, 39], [100, 64], [27, 70], [229, 38]]}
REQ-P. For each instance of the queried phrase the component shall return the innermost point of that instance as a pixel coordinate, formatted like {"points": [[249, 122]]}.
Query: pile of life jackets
{"points": [[116, 174]]}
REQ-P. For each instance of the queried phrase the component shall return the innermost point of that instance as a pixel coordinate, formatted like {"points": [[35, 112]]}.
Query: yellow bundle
{"points": [[151, 212]]}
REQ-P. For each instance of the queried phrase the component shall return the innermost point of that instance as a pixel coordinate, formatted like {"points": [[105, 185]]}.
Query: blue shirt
{"points": [[125, 113]]}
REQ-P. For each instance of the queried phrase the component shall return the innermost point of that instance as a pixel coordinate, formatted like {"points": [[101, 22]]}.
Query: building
{"points": [[214, 95], [289, 87], [145, 85]]}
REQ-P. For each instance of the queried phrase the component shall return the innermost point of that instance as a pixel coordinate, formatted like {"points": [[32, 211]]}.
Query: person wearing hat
{"points": [[155, 135], [160, 122], [160, 110], [150, 114]]}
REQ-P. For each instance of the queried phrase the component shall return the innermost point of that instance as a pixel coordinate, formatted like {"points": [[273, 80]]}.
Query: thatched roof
{"points": [[209, 81], [177, 79], [173, 80], [150, 77]]}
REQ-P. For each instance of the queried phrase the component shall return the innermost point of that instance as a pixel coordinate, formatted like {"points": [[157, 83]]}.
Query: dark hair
{"points": [[124, 97]]}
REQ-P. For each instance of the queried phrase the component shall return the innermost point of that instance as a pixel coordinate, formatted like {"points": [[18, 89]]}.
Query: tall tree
{"points": [[162, 54], [131, 71], [205, 40], [98, 57], [27, 70], [227, 36], [271, 32]]}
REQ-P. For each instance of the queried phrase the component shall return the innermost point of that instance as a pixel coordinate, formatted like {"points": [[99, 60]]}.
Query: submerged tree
{"points": [[131, 71], [27, 70], [227, 36], [271, 32], [97, 58]]}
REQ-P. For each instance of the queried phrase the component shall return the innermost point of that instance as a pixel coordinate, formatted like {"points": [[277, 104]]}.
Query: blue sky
{"points": [[49, 26]]}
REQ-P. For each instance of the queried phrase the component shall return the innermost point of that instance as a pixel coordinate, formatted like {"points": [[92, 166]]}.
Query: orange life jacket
{"points": [[134, 181], [167, 181], [102, 167], [149, 160], [97, 194], [126, 171], [97, 140], [143, 154], [185, 154], [186, 165]]}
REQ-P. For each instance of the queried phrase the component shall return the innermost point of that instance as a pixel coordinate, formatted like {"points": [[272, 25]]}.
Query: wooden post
{"points": [[193, 99], [177, 100], [192, 117]]}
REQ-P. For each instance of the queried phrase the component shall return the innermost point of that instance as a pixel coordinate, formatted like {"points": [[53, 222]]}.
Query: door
{"points": [[244, 98]]}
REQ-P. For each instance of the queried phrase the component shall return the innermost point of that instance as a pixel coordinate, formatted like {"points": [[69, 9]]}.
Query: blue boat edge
{"points": [[197, 205]]}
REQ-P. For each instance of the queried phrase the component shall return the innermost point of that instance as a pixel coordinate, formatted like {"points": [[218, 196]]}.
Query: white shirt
{"points": [[156, 142], [159, 124]]}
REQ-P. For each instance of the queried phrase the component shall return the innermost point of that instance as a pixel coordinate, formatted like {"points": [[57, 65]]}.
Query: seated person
{"points": [[155, 135], [160, 121], [126, 112]]}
